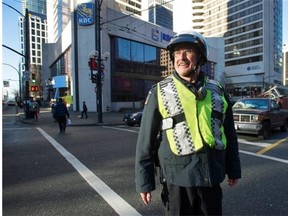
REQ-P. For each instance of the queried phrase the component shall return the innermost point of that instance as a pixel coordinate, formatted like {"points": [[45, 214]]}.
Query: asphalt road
{"points": [[90, 171]]}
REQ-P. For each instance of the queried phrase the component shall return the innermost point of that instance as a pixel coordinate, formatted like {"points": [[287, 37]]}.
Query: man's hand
{"points": [[146, 197], [232, 182]]}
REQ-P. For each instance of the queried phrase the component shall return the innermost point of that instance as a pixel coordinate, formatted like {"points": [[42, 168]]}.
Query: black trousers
{"points": [[84, 112], [192, 200], [62, 123]]}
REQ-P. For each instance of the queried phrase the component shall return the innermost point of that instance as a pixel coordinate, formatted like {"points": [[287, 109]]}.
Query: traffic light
{"points": [[34, 88], [94, 76], [33, 77], [92, 64]]}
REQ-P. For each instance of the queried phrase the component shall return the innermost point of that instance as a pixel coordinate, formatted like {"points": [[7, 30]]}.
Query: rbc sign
{"points": [[85, 14], [157, 35]]}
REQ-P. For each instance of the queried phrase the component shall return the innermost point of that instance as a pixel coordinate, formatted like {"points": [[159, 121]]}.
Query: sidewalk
{"points": [[45, 117]]}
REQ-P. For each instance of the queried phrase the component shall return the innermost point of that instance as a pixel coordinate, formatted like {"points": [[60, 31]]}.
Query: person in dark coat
{"points": [[188, 131], [60, 113], [84, 110]]}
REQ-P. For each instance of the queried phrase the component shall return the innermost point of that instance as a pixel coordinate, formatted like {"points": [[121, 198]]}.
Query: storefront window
{"points": [[123, 49], [137, 52], [150, 54], [137, 68]]}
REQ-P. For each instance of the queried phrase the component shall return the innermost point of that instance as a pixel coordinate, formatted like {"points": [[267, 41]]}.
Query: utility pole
{"points": [[27, 61], [98, 48]]}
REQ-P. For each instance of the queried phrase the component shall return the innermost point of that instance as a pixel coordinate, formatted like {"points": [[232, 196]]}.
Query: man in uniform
{"points": [[191, 118]]}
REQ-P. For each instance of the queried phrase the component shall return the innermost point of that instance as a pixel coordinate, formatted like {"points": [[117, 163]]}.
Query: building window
{"points": [[137, 68], [244, 60]]}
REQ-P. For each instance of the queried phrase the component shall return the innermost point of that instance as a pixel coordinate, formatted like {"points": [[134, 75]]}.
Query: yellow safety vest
{"points": [[188, 121]]}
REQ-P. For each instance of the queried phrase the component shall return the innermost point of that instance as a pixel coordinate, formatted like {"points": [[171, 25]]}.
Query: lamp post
{"points": [[98, 4], [27, 61]]}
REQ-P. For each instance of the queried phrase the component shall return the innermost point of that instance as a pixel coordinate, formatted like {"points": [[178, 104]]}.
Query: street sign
{"points": [[26, 73]]}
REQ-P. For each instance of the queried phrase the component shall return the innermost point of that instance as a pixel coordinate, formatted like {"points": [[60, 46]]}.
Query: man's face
{"points": [[185, 59]]}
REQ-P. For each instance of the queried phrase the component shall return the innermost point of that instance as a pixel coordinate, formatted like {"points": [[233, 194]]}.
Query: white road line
{"points": [[112, 198], [264, 156], [253, 143], [4, 129], [239, 140], [121, 129]]}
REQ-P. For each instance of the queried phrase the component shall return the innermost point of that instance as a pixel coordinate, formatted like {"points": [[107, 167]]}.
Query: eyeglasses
{"points": [[187, 52]]}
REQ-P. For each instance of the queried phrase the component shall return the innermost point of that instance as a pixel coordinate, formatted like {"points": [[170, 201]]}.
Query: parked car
{"points": [[11, 103], [259, 116], [132, 119]]}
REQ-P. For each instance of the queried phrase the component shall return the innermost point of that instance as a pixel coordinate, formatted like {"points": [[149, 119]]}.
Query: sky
{"points": [[10, 38]]}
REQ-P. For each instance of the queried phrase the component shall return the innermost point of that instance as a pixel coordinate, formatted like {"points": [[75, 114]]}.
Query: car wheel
{"points": [[284, 127], [266, 130]]}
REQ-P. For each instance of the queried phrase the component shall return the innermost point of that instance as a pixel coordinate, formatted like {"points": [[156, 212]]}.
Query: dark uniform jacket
{"points": [[207, 167]]}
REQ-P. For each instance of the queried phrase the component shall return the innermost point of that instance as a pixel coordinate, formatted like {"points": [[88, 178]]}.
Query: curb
{"points": [[31, 122]]}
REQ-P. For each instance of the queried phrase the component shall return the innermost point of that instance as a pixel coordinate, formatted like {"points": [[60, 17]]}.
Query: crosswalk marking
{"points": [[111, 197]]}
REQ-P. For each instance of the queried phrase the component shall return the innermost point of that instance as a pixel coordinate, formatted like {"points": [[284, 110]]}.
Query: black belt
{"points": [[217, 115], [170, 122]]}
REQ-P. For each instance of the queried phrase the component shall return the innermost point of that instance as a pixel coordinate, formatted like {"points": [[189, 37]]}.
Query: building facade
{"points": [[253, 40], [251, 30], [37, 37], [160, 12], [134, 58], [285, 64]]}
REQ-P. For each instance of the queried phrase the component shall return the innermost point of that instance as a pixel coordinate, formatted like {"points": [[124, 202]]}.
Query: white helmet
{"points": [[195, 39]]}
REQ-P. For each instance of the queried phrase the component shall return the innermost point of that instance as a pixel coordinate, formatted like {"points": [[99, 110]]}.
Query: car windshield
{"points": [[252, 104]]}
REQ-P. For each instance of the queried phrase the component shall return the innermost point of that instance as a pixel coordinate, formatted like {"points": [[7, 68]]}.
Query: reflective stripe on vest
{"points": [[207, 116], [212, 109]]}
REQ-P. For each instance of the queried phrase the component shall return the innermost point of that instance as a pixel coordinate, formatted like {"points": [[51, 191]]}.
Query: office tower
{"points": [[128, 7], [253, 41], [36, 6], [160, 12], [58, 17], [285, 64], [37, 37]]}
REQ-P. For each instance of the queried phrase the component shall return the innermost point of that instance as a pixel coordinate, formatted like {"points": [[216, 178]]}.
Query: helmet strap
{"points": [[193, 71]]}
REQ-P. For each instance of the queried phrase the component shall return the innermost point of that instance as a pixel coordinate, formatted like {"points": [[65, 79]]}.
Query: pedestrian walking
{"points": [[85, 109], [188, 127], [60, 114], [35, 110]]}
